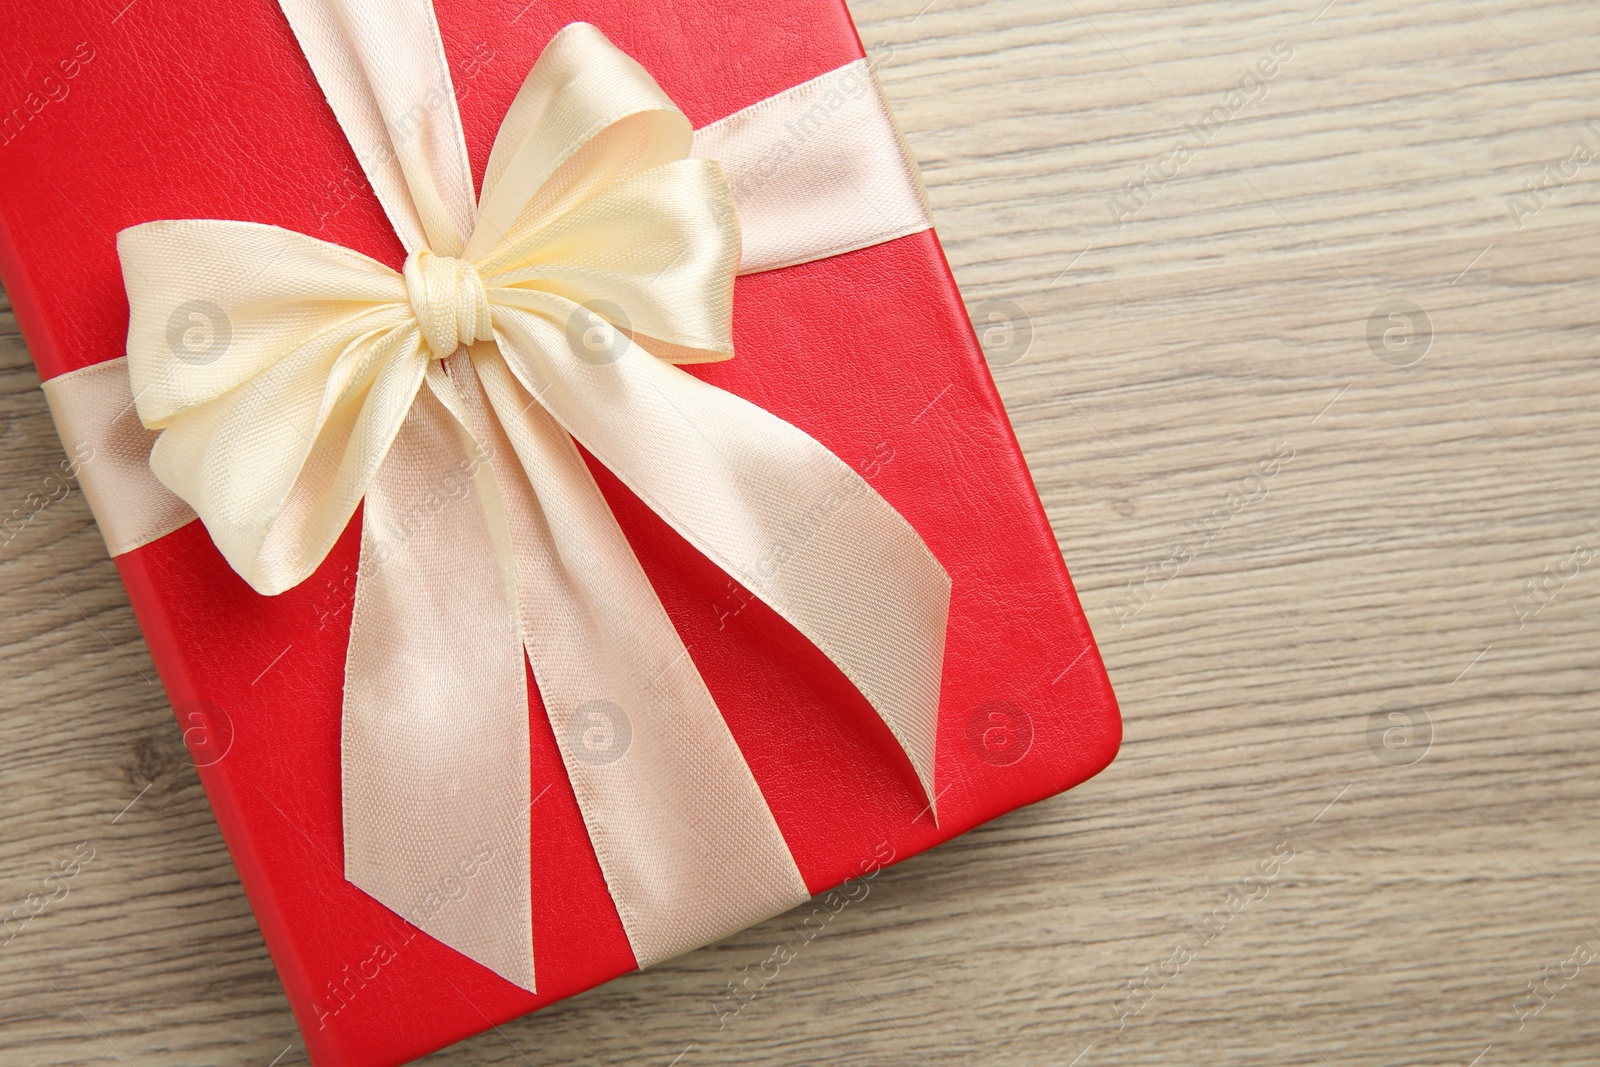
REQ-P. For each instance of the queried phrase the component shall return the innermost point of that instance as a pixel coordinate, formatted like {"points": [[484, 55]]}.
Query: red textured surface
{"points": [[179, 113]]}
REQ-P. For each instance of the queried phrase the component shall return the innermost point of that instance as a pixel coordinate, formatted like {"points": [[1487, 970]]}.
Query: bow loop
{"points": [[449, 301], [654, 255], [587, 116], [278, 377]]}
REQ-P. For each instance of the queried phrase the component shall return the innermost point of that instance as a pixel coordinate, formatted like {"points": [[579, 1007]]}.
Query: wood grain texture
{"points": [[1219, 318]]}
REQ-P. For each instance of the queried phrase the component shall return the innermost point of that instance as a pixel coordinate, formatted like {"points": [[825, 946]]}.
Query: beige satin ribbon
{"points": [[599, 255], [94, 414]]}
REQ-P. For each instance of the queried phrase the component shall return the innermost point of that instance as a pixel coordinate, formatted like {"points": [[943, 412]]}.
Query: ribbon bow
{"points": [[446, 397]]}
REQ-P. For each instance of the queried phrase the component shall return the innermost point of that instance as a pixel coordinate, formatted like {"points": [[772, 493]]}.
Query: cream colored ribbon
{"points": [[447, 397]]}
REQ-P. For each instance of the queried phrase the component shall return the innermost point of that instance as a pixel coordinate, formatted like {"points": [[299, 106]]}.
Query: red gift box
{"points": [[171, 111]]}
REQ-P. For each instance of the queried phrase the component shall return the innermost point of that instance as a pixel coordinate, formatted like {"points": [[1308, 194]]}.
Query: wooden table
{"points": [[1355, 815]]}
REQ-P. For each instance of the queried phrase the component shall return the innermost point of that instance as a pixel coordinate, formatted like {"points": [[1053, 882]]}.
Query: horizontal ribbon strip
{"points": [[94, 414]]}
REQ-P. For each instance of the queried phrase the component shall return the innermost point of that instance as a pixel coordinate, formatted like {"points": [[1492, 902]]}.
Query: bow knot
{"points": [[447, 296]]}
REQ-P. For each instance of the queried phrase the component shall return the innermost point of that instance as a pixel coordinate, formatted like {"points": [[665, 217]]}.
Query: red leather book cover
{"points": [[123, 114]]}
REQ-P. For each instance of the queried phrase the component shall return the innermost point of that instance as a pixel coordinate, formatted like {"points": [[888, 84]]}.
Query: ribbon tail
{"points": [[771, 506], [687, 843], [435, 739]]}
